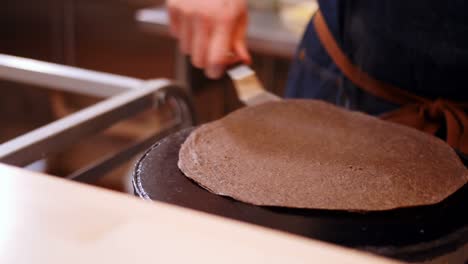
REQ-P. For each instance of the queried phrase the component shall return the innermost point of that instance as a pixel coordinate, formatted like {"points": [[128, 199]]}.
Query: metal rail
{"points": [[65, 78], [92, 172], [132, 96]]}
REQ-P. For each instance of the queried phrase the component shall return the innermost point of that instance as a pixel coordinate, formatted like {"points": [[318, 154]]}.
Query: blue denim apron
{"points": [[314, 75], [396, 41]]}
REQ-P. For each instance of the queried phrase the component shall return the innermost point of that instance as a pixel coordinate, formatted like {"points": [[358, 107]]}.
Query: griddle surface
{"points": [[411, 234]]}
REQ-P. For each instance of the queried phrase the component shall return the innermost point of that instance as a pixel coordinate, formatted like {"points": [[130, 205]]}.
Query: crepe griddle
{"points": [[409, 234]]}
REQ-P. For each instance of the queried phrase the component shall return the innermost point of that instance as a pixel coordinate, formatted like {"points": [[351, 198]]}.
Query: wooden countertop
{"points": [[266, 34], [44, 219]]}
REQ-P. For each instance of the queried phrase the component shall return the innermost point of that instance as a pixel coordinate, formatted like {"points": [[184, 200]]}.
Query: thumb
{"points": [[239, 42], [240, 49]]}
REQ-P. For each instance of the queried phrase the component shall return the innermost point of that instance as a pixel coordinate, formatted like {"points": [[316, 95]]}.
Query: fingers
{"points": [[210, 32], [242, 53], [201, 36], [220, 48], [240, 45]]}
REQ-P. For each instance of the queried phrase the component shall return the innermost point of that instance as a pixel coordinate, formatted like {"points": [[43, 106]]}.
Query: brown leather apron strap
{"points": [[416, 111]]}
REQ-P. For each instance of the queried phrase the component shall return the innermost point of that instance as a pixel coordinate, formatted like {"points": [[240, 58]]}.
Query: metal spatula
{"points": [[249, 89]]}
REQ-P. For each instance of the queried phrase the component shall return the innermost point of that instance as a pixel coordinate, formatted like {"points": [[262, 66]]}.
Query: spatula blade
{"points": [[249, 89]]}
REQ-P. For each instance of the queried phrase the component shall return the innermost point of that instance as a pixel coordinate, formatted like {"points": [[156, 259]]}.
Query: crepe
{"points": [[311, 154]]}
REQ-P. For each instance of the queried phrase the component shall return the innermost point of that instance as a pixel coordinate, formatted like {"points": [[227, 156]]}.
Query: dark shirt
{"points": [[417, 45]]}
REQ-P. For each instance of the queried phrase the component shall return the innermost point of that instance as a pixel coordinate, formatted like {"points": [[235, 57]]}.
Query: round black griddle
{"points": [[410, 234]]}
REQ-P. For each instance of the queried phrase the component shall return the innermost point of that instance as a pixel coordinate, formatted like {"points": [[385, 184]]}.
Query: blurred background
{"points": [[126, 37]]}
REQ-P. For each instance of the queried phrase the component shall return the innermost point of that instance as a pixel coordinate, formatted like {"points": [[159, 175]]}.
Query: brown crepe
{"points": [[310, 154]]}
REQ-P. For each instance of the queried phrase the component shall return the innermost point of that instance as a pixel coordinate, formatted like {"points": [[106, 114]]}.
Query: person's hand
{"points": [[212, 32]]}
